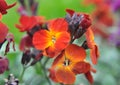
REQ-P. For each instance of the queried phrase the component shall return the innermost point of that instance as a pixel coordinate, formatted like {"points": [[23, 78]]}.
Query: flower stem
{"points": [[22, 74], [45, 72]]}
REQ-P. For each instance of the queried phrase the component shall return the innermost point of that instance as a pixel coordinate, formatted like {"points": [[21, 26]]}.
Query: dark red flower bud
{"points": [[84, 45], [3, 65], [3, 32], [26, 57], [4, 6], [86, 21], [26, 43], [37, 56]]}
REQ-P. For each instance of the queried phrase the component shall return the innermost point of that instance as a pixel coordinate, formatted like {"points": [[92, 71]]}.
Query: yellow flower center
{"points": [[66, 62], [53, 39]]}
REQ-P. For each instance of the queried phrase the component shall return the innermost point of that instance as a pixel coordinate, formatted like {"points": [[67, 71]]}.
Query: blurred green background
{"points": [[108, 69]]}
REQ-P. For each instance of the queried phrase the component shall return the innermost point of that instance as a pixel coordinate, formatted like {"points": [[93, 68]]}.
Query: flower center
{"points": [[66, 62], [53, 39]]}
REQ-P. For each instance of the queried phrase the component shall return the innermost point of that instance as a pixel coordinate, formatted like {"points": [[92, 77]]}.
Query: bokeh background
{"points": [[108, 67]]}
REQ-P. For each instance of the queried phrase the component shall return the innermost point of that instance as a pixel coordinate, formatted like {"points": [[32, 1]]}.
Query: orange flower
{"points": [[94, 52], [27, 23], [53, 40], [68, 64], [4, 6], [103, 14]]}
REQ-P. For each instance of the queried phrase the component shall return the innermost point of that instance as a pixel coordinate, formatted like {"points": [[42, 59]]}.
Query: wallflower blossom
{"points": [[27, 23], [94, 52], [68, 64], [4, 6], [53, 40], [103, 15]]}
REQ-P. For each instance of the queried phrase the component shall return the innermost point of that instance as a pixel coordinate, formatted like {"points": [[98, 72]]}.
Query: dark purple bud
{"points": [[78, 23], [34, 8], [26, 57], [37, 56], [22, 2], [33, 30], [84, 45], [79, 32], [31, 2]]}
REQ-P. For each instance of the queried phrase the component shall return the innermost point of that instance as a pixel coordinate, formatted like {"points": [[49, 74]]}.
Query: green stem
{"points": [[22, 74], [44, 64], [45, 72]]}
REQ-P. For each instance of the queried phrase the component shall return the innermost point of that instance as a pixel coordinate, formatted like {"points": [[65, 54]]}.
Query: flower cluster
{"points": [[55, 39]]}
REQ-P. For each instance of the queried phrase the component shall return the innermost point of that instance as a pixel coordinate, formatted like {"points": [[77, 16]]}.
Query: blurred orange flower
{"points": [[94, 52], [68, 64], [4, 6], [27, 23], [53, 40]]}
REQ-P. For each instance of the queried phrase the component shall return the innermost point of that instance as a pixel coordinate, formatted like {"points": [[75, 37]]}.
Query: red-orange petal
{"points": [[52, 75], [58, 60], [89, 77], [27, 23], [65, 75], [58, 25], [3, 32], [51, 51], [89, 35], [62, 40], [94, 54], [75, 53], [41, 39], [81, 67]]}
